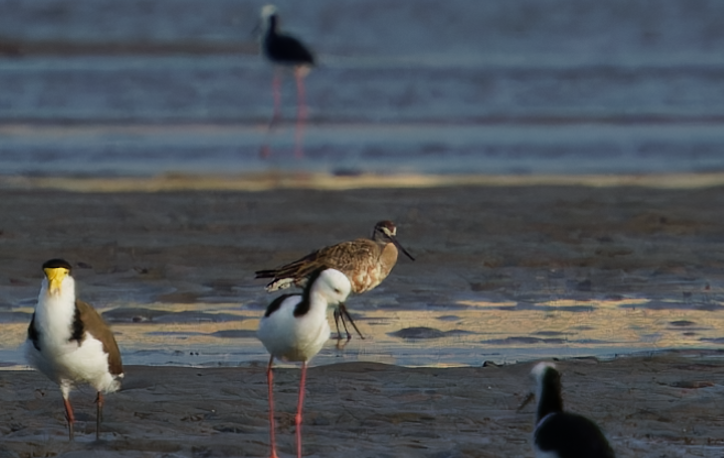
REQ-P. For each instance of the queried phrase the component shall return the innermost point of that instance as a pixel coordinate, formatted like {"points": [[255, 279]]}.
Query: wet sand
{"points": [[521, 241], [667, 405], [468, 233]]}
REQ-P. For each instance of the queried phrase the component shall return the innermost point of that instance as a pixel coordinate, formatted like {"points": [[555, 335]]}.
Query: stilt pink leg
{"points": [[298, 418], [69, 417], [277, 94], [99, 414], [301, 113], [270, 382]]}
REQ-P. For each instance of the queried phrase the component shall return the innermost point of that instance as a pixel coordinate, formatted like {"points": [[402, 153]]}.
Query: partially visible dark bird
{"points": [[560, 434]]}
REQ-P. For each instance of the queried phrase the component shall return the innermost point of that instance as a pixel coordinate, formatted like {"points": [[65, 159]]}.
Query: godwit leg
{"points": [[298, 418], [69, 416], [299, 74], [337, 317], [344, 313], [277, 94], [99, 414], [270, 382]]}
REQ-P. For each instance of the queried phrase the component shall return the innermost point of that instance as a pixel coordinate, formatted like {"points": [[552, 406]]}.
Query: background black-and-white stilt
{"points": [[560, 434], [295, 327], [284, 50], [70, 343]]}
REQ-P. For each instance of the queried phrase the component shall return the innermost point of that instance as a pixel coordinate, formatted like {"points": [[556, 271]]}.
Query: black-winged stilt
{"points": [[284, 50], [365, 261], [70, 343], [295, 327], [560, 434]]}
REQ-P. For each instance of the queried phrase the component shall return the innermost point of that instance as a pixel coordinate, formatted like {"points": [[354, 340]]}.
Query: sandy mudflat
{"points": [[667, 405], [513, 235], [518, 241]]}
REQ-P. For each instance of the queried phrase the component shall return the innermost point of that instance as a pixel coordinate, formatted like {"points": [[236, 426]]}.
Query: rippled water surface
{"points": [[553, 86]]}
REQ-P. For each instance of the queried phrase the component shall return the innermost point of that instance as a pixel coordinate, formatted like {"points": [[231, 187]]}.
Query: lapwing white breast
{"points": [[365, 261], [561, 434], [69, 342], [284, 50], [295, 327]]}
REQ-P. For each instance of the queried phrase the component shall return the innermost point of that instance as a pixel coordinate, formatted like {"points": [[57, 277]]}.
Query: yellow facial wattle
{"points": [[55, 277]]}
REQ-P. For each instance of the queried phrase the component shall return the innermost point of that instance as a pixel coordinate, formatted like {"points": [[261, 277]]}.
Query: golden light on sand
{"points": [[594, 302], [323, 181], [473, 331]]}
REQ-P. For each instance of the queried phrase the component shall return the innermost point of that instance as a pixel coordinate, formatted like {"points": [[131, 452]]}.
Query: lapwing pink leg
{"points": [[99, 414], [270, 382], [69, 417], [298, 418]]}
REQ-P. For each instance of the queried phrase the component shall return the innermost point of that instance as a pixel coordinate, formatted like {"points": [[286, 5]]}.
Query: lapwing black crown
{"points": [[57, 263]]}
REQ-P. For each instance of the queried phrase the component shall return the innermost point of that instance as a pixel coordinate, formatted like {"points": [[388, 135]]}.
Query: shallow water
{"points": [[102, 88], [450, 333], [97, 87]]}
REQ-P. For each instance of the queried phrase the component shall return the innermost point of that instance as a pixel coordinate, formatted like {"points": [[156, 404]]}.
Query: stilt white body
{"points": [[295, 327], [291, 338]]}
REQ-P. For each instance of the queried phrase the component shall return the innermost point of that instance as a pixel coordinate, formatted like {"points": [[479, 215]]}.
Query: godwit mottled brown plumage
{"points": [[365, 261]]}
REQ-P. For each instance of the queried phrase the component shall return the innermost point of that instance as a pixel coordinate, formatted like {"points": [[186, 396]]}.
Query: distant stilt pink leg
{"points": [[277, 94], [301, 113]]}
